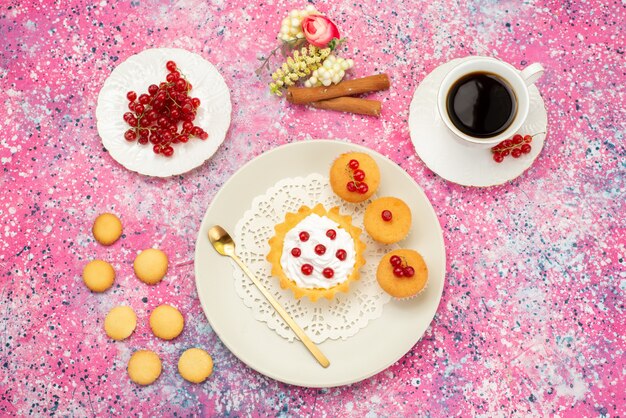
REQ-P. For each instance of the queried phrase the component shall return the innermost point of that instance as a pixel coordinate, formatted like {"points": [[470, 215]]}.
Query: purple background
{"points": [[532, 317]]}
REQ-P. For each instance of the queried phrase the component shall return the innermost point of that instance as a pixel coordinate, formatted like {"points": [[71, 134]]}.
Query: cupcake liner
{"points": [[417, 294]]}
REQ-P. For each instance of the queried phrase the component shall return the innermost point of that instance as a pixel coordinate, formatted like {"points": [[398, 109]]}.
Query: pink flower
{"points": [[319, 30]]}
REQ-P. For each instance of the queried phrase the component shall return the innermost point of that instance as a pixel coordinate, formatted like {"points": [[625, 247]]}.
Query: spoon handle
{"points": [[317, 353]]}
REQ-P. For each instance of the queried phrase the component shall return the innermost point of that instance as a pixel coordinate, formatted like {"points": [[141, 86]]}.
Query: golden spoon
{"points": [[224, 244]]}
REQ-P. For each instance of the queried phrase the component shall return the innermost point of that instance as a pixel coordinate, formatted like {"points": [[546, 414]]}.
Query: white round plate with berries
{"points": [[463, 164], [373, 348], [142, 132]]}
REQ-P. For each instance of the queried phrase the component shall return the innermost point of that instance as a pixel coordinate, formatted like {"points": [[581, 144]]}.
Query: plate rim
{"points": [[271, 374]]}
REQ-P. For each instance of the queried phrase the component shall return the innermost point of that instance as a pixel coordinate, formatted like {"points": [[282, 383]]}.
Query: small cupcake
{"points": [[316, 253], [387, 220], [402, 273], [354, 176]]}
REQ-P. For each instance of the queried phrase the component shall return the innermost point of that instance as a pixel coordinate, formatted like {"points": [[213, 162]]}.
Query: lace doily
{"points": [[341, 317]]}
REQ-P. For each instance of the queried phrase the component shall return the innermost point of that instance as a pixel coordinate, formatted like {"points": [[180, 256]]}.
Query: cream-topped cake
{"points": [[316, 253]]}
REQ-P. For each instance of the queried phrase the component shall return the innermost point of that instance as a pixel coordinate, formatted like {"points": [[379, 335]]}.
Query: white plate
{"points": [[136, 74], [458, 162], [372, 349]]}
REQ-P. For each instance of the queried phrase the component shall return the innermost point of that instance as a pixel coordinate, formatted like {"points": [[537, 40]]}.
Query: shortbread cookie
{"points": [[150, 265], [354, 176], [144, 367], [387, 220], [120, 322], [166, 322], [98, 275], [107, 229], [195, 365]]}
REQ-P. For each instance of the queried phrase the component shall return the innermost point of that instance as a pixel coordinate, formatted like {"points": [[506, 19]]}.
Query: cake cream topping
{"points": [[311, 265]]}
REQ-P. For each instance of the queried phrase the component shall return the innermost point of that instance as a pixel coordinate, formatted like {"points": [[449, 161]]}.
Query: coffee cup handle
{"points": [[532, 73]]}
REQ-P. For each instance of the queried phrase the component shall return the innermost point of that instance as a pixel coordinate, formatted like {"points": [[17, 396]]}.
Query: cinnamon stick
{"points": [[350, 105], [301, 95]]}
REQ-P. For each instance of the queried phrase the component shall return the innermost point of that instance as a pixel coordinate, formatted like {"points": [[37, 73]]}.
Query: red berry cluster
{"points": [[400, 267], [320, 249], [515, 146], [357, 184], [155, 117]]}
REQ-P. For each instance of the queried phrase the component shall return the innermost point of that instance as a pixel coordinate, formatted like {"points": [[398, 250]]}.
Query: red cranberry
{"points": [[187, 126], [395, 260], [320, 249], [171, 66], [144, 99], [168, 151], [296, 252], [353, 164], [359, 175], [331, 233], [362, 189], [351, 186], [306, 269], [386, 215], [181, 85], [398, 271], [328, 273], [130, 135], [408, 271], [341, 254], [304, 236]]}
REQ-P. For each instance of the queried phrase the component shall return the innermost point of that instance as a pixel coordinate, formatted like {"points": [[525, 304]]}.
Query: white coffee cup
{"points": [[518, 81]]}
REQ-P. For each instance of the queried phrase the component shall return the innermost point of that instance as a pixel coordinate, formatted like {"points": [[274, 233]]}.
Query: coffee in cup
{"points": [[481, 104], [483, 101]]}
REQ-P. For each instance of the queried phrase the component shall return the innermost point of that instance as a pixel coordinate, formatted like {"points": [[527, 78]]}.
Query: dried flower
{"points": [[302, 63]]}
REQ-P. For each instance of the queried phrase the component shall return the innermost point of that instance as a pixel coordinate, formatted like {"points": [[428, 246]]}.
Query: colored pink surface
{"points": [[532, 317]]}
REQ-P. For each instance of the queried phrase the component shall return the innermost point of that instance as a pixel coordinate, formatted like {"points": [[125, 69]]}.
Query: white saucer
{"points": [[136, 74], [455, 161]]}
